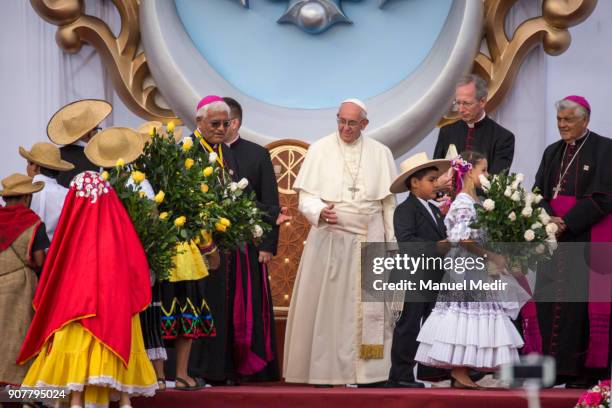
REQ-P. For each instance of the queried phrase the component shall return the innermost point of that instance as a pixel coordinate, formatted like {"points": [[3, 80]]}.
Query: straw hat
{"points": [[413, 164], [76, 119], [46, 155], [19, 184], [112, 144], [145, 128]]}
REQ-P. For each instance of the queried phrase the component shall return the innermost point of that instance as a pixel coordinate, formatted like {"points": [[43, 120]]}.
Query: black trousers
{"points": [[404, 345]]}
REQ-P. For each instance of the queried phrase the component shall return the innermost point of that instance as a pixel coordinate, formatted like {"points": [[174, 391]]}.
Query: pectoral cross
{"points": [[557, 190], [353, 190]]}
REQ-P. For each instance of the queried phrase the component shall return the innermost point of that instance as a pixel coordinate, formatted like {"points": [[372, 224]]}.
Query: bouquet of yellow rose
{"points": [[157, 235], [242, 220], [513, 223], [200, 193]]}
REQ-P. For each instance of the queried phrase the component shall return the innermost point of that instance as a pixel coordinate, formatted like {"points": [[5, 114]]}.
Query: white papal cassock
{"points": [[332, 337]]}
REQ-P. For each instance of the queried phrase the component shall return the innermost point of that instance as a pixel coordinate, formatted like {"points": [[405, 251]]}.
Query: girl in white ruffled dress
{"points": [[468, 329]]}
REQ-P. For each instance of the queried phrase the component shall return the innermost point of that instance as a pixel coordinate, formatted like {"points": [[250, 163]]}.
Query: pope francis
{"points": [[332, 336]]}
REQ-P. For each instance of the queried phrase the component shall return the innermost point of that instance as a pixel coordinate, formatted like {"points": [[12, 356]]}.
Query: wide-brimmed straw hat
{"points": [[413, 164], [76, 119], [112, 144], [19, 184], [145, 129], [46, 155]]}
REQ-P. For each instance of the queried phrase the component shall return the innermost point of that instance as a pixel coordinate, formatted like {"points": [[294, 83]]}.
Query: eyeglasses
{"points": [[349, 123], [458, 104], [215, 124]]}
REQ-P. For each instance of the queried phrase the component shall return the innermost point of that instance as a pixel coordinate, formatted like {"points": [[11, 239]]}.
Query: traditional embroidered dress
{"points": [[468, 328], [86, 332], [19, 229], [184, 309], [333, 337]]}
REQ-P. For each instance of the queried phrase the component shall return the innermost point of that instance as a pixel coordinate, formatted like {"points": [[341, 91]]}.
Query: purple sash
{"points": [[246, 361], [531, 327], [600, 286]]}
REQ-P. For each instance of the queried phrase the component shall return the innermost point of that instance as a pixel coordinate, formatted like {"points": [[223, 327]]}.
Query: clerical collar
{"points": [[580, 139], [80, 143], [231, 142], [471, 125]]}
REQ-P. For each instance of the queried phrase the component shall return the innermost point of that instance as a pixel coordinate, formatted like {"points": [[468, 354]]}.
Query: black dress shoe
{"points": [[580, 383], [380, 384], [404, 384], [232, 383]]}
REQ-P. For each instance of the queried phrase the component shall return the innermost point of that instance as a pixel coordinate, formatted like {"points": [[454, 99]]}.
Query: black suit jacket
{"points": [[417, 234], [75, 155], [413, 223], [255, 164], [490, 139]]}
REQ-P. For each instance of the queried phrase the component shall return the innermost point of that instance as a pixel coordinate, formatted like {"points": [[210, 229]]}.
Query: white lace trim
{"points": [[158, 353], [103, 381], [132, 390], [474, 308]]}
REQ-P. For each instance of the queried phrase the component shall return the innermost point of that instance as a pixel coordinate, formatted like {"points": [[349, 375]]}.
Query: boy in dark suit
{"points": [[418, 226]]}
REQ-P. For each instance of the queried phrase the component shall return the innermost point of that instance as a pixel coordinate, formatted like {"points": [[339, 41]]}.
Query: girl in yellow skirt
{"points": [[86, 333], [185, 313]]}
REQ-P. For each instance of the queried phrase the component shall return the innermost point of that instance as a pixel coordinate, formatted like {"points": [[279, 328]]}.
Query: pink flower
{"points": [[592, 398], [604, 383]]}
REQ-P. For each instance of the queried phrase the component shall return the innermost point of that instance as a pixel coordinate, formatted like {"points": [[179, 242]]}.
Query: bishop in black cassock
{"points": [[245, 346], [575, 180], [476, 131]]}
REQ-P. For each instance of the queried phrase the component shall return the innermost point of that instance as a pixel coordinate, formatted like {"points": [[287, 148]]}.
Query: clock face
{"points": [[290, 63]]}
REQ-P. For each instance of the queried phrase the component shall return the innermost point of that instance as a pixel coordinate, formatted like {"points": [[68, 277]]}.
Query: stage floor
{"points": [[305, 396]]}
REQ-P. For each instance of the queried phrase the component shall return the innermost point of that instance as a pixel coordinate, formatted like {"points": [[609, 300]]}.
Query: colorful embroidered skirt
{"points": [[73, 359], [185, 311]]}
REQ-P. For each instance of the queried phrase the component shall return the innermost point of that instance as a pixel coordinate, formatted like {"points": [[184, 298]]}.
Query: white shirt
{"points": [[48, 202], [426, 205]]}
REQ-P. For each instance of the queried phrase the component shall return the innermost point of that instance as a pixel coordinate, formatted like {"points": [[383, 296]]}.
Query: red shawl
{"points": [[96, 271], [14, 220]]}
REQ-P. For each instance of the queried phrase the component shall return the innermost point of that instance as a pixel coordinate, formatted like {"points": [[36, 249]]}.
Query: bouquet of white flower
{"points": [[509, 215]]}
